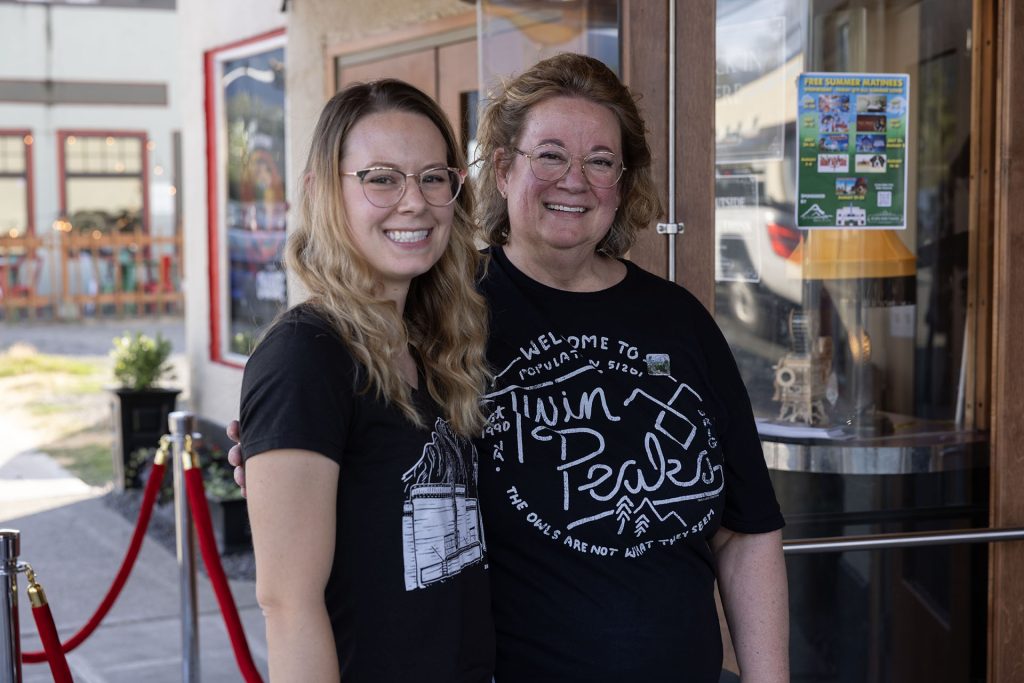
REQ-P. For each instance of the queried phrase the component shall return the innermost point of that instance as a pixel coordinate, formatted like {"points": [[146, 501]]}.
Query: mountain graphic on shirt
{"points": [[646, 519]]}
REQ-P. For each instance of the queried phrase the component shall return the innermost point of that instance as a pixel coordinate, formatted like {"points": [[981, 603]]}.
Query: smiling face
{"points": [[566, 215], [407, 239]]}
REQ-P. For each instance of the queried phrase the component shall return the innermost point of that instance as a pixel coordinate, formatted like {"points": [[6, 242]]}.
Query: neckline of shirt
{"points": [[498, 253]]}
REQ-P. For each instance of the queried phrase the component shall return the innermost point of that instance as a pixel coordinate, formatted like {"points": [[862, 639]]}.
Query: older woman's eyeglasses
{"points": [[551, 162], [384, 187]]}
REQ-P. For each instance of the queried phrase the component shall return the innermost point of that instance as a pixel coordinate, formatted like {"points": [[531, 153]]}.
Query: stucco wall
{"points": [[206, 26]]}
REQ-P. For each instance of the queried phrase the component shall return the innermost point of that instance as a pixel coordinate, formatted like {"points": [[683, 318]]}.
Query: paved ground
{"points": [[89, 337], [75, 543]]}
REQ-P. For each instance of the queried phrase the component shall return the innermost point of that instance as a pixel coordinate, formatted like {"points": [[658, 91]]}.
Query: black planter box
{"points": [[230, 520], [140, 419]]}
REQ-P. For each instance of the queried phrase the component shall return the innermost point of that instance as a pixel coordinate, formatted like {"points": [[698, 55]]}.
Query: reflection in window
{"points": [[887, 352], [516, 35], [104, 182], [469, 103], [255, 220]]}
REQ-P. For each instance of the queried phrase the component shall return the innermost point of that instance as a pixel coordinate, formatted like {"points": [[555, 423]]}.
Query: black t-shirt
{"points": [[408, 592], [620, 438]]}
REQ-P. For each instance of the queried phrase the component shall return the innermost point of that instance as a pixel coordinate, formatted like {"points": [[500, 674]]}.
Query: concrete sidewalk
{"points": [[76, 543]]}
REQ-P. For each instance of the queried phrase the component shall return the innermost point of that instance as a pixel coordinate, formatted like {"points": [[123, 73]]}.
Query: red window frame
{"points": [[30, 203], [214, 191]]}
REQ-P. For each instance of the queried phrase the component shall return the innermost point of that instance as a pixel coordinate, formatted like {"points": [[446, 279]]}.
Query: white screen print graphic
{"points": [[441, 528], [575, 389]]}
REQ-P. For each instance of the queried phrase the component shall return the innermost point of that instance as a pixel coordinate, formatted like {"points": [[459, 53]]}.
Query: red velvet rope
{"points": [[211, 558], [51, 644], [156, 477]]}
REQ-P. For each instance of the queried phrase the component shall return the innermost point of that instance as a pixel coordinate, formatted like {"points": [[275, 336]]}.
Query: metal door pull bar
{"points": [[838, 544]]}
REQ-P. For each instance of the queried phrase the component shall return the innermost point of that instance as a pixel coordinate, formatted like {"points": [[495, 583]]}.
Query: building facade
{"points": [[89, 138], [841, 181]]}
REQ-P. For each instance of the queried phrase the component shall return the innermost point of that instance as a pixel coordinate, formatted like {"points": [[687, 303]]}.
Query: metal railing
{"points": [[71, 274], [842, 544]]}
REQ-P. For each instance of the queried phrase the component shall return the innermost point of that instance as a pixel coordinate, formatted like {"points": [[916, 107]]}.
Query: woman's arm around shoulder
{"points": [[755, 596], [292, 500]]}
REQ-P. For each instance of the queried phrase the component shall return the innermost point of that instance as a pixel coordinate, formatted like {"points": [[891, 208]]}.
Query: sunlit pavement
{"points": [[76, 543]]}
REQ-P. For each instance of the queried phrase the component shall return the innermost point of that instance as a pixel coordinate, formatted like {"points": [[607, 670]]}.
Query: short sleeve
{"points": [[750, 503], [297, 391]]}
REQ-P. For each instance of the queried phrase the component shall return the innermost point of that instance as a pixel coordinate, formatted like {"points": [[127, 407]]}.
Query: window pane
{"points": [[98, 154], [879, 349], [12, 154], [514, 36], [104, 204], [13, 207], [255, 203]]}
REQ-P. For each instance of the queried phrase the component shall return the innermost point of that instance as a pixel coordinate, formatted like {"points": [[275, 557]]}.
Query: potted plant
{"points": [[140, 407], [229, 515], [228, 512]]}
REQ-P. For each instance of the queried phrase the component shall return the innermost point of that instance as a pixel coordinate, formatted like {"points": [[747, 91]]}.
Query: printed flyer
{"points": [[852, 149]]}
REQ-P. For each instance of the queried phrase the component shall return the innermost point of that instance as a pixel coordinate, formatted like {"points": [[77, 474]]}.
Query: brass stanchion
{"points": [[47, 629], [182, 425], [10, 647]]}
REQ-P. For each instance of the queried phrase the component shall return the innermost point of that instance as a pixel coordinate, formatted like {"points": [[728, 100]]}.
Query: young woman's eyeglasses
{"points": [[551, 162], [384, 187]]}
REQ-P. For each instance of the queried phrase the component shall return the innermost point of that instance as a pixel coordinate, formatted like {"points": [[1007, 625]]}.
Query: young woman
{"points": [[357, 405]]}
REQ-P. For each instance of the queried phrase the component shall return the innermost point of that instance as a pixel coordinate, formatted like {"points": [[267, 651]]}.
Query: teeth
{"points": [[563, 207], [406, 235]]}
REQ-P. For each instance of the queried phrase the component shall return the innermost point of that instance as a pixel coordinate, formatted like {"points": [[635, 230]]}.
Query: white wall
{"points": [[214, 387]]}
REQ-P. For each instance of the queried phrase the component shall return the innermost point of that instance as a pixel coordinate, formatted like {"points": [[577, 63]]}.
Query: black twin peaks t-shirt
{"points": [[620, 439], [408, 594]]}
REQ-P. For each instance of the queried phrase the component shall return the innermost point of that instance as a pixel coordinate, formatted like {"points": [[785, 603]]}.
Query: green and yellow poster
{"points": [[852, 150]]}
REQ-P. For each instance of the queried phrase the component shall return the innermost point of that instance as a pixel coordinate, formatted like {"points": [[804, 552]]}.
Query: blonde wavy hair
{"points": [[445, 318], [567, 75]]}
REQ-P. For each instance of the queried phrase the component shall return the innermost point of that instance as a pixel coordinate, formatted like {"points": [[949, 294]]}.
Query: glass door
{"points": [[843, 277]]}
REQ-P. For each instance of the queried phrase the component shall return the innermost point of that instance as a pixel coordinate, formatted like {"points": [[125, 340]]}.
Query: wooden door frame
{"points": [[1006, 560], [645, 40]]}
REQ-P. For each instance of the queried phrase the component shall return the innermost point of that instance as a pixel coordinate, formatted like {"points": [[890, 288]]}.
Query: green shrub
{"points": [[140, 361]]}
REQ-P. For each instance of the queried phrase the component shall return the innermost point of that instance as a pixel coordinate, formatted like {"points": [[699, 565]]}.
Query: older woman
{"points": [[621, 471]]}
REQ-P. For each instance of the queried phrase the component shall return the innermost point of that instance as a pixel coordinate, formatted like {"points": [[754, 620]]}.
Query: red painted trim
{"points": [[62, 186], [213, 213], [30, 186], [212, 208], [146, 218], [246, 41], [62, 136]]}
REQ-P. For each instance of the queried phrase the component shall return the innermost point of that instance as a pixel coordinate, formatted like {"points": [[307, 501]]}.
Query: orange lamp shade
{"points": [[852, 254]]}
